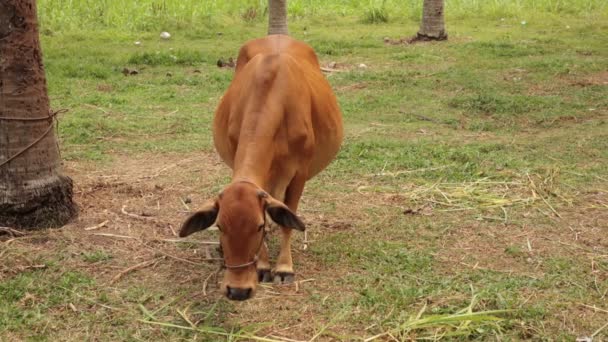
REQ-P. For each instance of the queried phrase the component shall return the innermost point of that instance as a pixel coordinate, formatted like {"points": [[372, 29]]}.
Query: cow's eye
{"points": [[218, 227], [260, 227]]}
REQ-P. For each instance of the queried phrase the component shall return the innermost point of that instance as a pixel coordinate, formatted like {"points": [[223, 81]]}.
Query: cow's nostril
{"points": [[235, 293]]}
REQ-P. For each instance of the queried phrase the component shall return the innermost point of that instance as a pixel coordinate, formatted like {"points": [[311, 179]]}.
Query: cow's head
{"points": [[240, 214]]}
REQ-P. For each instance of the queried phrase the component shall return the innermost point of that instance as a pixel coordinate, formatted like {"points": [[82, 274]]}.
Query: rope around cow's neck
{"points": [[255, 258]]}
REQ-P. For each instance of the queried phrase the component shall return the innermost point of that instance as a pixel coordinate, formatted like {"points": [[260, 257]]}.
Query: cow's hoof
{"points": [[284, 277], [264, 276]]}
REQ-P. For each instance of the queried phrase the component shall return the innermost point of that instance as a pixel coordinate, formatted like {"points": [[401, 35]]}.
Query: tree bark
{"points": [[277, 17], [433, 24], [33, 193]]}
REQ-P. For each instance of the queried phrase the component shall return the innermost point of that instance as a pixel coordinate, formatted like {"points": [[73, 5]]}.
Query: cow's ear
{"points": [[200, 220], [281, 215]]}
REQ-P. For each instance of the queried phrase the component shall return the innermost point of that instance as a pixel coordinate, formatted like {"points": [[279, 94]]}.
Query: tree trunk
{"points": [[433, 25], [33, 194], [277, 17]]}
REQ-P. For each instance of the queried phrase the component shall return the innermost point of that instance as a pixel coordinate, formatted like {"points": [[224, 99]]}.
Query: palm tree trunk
{"points": [[277, 17], [33, 194], [433, 25]]}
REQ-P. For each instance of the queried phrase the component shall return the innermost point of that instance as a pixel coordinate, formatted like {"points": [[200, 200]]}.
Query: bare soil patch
{"points": [[560, 82], [125, 237], [596, 79]]}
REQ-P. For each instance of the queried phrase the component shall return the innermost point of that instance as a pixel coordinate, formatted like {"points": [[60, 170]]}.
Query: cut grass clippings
{"points": [[463, 323], [211, 331], [481, 194]]}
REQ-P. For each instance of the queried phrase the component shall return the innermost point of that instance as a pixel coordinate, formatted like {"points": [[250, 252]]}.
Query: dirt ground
{"points": [[132, 209]]}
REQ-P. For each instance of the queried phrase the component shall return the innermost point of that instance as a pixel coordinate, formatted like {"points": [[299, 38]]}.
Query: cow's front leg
{"points": [[263, 266], [284, 273]]}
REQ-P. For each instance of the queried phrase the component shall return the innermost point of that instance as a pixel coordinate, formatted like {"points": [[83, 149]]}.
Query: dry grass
{"points": [[480, 196]]}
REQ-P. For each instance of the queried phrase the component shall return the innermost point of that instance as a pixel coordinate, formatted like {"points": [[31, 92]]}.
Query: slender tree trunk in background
{"points": [[433, 25], [33, 194], [277, 17]]}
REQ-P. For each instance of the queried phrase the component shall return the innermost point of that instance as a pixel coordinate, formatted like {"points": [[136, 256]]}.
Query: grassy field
{"points": [[469, 201], [146, 15]]}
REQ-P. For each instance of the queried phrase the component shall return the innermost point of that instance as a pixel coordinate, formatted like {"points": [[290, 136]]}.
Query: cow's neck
{"points": [[256, 148], [254, 166]]}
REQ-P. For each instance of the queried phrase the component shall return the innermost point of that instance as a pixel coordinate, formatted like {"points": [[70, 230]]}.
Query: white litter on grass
{"points": [[362, 66], [523, 22], [165, 35], [138, 43]]}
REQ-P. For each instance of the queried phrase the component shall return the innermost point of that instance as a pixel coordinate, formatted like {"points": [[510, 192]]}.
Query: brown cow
{"points": [[277, 126]]}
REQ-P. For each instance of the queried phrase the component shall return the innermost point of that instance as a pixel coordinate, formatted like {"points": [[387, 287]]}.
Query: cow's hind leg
{"points": [[284, 273]]}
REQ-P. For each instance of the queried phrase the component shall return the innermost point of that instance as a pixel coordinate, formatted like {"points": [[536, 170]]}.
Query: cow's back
{"points": [[276, 44], [313, 117]]}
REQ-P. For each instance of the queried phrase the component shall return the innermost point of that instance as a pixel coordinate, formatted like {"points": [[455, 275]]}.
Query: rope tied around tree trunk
{"points": [[51, 117]]}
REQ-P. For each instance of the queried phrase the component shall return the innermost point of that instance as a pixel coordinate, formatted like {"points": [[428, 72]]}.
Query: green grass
{"points": [[376, 14], [96, 256], [442, 197], [30, 296], [153, 15]]}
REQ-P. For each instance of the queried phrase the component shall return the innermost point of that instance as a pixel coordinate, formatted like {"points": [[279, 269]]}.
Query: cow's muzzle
{"points": [[236, 293]]}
